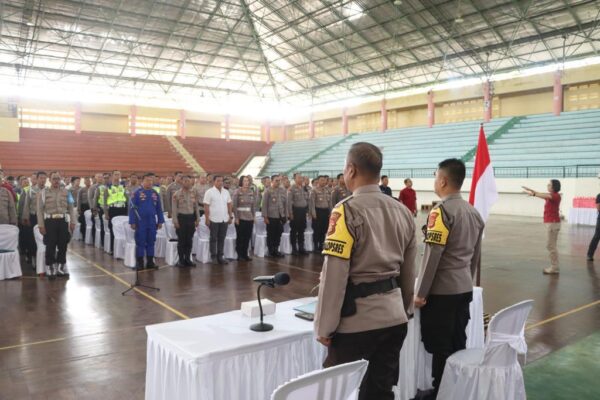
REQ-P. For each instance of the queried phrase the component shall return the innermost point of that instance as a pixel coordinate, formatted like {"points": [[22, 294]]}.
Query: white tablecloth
{"points": [[217, 357], [583, 216]]}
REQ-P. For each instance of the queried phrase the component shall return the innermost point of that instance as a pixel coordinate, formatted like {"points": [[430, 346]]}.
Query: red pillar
{"points": [[268, 132], [78, 118], [430, 109], [558, 93], [284, 132], [487, 101], [133, 117], [384, 119], [227, 127], [345, 121], [182, 124], [311, 127]]}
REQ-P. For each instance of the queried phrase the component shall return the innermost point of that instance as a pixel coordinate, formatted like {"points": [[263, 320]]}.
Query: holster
{"points": [[364, 289]]}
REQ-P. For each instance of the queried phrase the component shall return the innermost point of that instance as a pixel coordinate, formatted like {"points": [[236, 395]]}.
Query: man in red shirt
{"points": [[408, 197], [551, 220]]}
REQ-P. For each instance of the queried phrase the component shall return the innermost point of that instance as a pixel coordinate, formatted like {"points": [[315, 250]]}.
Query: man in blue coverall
{"points": [[145, 217]]}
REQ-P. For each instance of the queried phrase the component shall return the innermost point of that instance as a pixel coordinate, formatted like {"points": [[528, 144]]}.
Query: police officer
{"points": [[171, 189], [83, 204], [445, 286], [340, 192], [368, 276], [274, 213], [320, 206], [29, 218], [145, 217], [99, 202], [201, 187], [244, 209], [297, 213], [8, 210], [115, 203], [185, 218], [75, 188], [133, 185], [56, 219]]}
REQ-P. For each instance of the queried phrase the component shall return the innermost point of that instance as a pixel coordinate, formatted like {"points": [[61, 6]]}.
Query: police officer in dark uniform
{"points": [[145, 217], [297, 212]]}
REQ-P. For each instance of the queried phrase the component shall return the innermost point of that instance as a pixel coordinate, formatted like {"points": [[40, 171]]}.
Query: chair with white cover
{"points": [[119, 232], [98, 234], [285, 245], [230, 240], [260, 237], [491, 373], [171, 255], [87, 215], [129, 259], [308, 235], [77, 231], [203, 242], [10, 263], [106, 235], [341, 382], [160, 246], [40, 255]]}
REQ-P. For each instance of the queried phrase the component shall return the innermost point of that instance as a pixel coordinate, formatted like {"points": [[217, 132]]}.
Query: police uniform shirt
{"points": [[297, 198], [8, 210], [244, 205], [339, 194], [371, 237], [132, 189], [30, 206], [82, 197], [54, 202], [319, 198], [91, 193], [172, 188], [200, 191], [452, 248], [185, 202], [273, 205]]}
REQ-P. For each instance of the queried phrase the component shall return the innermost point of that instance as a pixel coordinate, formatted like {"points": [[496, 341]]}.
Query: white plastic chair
{"points": [[40, 255], [491, 373], [230, 240], [106, 235], [160, 247], [203, 242], [119, 232], [87, 215], [308, 235], [171, 255], [10, 263], [285, 245], [98, 228], [260, 237], [129, 260], [341, 382]]}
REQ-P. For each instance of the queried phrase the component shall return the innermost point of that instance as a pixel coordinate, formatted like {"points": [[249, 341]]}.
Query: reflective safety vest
{"points": [[116, 196], [101, 190], [156, 189]]}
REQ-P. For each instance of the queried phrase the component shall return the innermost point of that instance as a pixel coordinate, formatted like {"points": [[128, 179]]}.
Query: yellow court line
{"points": [[16, 346], [127, 284], [573, 311]]}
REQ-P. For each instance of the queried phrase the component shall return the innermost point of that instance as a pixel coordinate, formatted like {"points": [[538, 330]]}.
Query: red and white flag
{"points": [[483, 187]]}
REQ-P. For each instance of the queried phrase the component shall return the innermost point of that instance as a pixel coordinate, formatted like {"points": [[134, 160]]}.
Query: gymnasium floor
{"points": [[80, 339]]}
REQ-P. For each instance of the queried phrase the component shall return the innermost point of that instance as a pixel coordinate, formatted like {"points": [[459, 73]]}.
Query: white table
{"points": [[217, 357], [583, 216]]}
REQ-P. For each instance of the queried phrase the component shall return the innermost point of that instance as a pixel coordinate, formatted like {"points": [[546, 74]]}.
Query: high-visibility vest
{"points": [[156, 189], [101, 190], [116, 196]]}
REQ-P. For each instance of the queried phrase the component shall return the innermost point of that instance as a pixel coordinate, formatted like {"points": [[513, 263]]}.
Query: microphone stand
{"points": [[261, 326], [137, 276]]}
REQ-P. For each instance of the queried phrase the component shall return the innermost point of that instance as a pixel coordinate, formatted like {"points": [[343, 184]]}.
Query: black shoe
{"points": [[139, 265], [246, 258], [222, 261], [294, 252], [150, 263], [279, 254], [303, 252], [590, 258], [189, 262]]}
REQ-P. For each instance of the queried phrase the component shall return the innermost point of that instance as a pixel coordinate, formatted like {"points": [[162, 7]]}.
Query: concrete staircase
{"points": [[187, 157]]}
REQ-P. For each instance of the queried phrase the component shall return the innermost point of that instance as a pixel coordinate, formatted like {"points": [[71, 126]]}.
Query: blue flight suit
{"points": [[147, 204]]}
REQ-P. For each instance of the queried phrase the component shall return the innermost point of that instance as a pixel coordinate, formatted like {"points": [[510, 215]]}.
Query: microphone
{"points": [[279, 279]]}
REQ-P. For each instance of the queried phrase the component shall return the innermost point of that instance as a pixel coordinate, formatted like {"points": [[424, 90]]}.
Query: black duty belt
{"points": [[364, 289]]}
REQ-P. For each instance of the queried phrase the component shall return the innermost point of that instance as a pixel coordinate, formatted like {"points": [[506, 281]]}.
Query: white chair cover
{"points": [[106, 235], [77, 232], [171, 255], [119, 231], [309, 225], [40, 255], [491, 373], [337, 383], [230, 239], [260, 237], [160, 247], [308, 241], [129, 260], [202, 243], [10, 263], [285, 245], [97, 237], [87, 215]]}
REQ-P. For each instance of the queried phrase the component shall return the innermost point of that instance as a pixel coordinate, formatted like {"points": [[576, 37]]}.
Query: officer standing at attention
{"points": [[451, 259], [244, 209], [297, 213], [201, 187], [368, 277], [83, 204], [56, 219], [8, 210], [133, 185], [185, 219], [115, 203], [171, 189], [29, 217], [320, 206], [99, 202], [274, 213], [340, 192], [145, 217]]}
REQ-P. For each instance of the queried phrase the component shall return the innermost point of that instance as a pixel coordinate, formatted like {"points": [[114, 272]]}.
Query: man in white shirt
{"points": [[218, 214]]}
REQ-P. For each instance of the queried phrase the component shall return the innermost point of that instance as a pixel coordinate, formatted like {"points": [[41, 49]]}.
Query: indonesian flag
{"points": [[483, 187]]}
